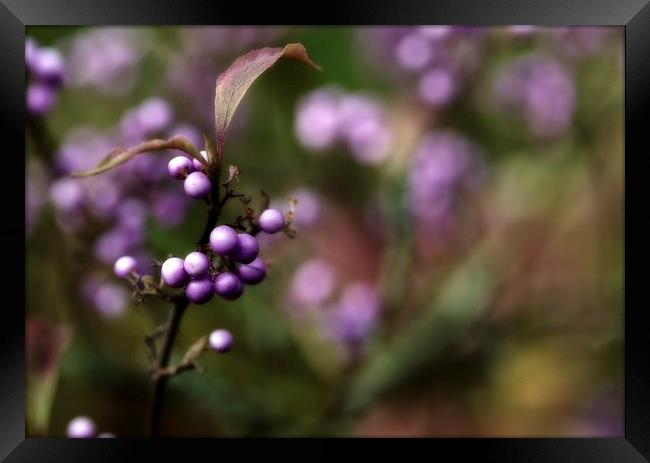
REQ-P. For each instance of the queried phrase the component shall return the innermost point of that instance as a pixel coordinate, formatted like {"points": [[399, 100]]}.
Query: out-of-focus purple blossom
{"points": [[364, 127], [317, 119], [437, 87], [443, 164], [107, 298], [151, 117], [47, 65], [550, 99], [312, 284], [46, 73], [169, 208], [83, 148], [117, 242], [110, 300], [41, 98], [154, 115], [67, 194], [102, 197], [414, 51], [132, 214], [328, 115], [308, 208], [106, 59], [541, 90], [354, 317]]}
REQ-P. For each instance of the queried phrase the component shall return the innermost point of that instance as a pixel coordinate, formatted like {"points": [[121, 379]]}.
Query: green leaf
{"points": [[233, 84], [121, 155]]}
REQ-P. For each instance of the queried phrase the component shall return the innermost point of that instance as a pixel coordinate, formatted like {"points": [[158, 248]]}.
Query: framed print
{"points": [[363, 220]]}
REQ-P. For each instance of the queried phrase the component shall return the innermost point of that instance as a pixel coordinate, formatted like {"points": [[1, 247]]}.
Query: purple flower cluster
{"points": [[443, 164], [350, 319], [328, 116], [539, 89], [116, 203], [46, 71], [109, 299], [435, 60], [106, 59]]}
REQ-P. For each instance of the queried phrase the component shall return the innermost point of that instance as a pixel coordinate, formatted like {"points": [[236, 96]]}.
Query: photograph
{"points": [[324, 231]]}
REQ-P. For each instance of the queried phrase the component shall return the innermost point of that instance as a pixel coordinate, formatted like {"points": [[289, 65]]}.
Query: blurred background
{"points": [[458, 266]]}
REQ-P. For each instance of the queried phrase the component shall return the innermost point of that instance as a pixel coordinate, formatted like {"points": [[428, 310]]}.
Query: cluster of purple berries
{"points": [[46, 68], [330, 116], [197, 274]]}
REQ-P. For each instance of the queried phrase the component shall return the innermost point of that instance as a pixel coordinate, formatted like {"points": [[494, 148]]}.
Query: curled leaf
{"points": [[233, 84], [121, 155]]}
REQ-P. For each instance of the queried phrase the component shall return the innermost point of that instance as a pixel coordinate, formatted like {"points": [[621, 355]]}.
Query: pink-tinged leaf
{"points": [[121, 155], [233, 84]]}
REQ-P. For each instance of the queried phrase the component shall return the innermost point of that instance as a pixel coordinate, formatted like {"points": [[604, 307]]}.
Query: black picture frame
{"points": [[634, 15]]}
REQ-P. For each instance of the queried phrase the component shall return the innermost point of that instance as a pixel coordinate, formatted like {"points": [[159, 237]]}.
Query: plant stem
{"points": [[160, 382]]}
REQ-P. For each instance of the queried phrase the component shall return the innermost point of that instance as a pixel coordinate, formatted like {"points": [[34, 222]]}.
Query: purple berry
{"points": [[179, 167], [272, 221], [197, 185], [198, 165], [228, 286], [173, 272], [81, 426], [252, 273], [247, 249], [196, 264], [200, 291], [124, 266], [221, 341], [223, 240]]}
